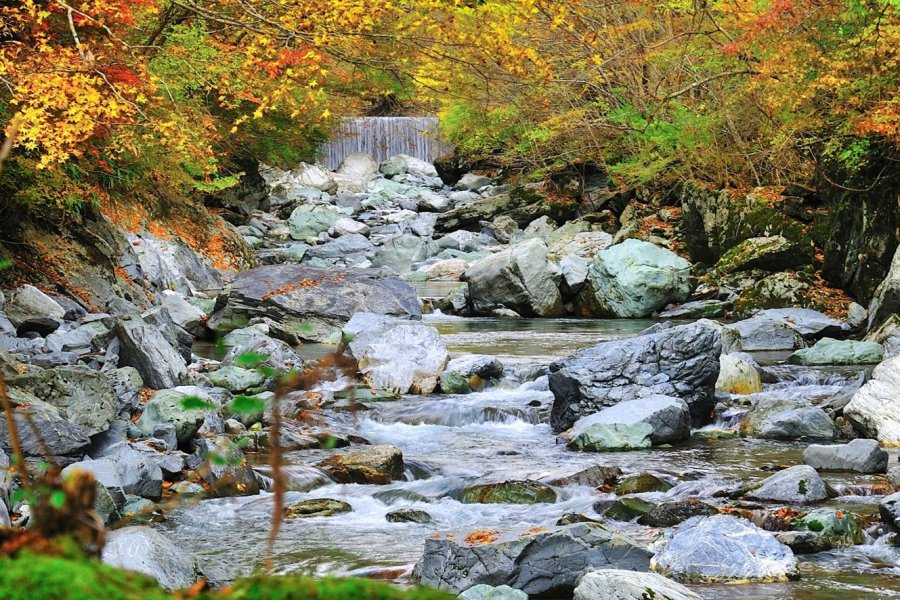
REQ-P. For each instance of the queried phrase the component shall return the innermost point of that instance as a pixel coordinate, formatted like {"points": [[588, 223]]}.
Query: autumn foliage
{"points": [[108, 94]]}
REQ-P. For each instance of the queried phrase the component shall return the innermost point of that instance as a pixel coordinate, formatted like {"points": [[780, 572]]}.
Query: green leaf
{"points": [[224, 461], [247, 405], [195, 403], [5, 263], [250, 359], [57, 499]]}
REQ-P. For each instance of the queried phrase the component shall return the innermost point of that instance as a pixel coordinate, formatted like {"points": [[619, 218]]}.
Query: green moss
{"points": [[35, 577], [815, 525], [300, 588], [801, 487], [38, 577]]}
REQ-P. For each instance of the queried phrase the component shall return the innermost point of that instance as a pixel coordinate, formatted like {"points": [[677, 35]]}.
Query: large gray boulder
{"points": [[669, 418], [809, 422], [168, 406], [635, 278], [145, 347], [769, 253], [534, 561], [810, 324], [28, 302], [678, 361], [150, 552], [400, 253], [395, 354], [862, 456], [722, 548], [616, 584], [761, 333], [886, 300], [83, 397], [796, 485], [519, 278], [82, 339], [309, 220], [316, 303], [875, 407], [828, 351], [738, 374], [42, 429]]}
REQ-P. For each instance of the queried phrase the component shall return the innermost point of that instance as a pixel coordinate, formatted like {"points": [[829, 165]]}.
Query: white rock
{"points": [[876, 406]]}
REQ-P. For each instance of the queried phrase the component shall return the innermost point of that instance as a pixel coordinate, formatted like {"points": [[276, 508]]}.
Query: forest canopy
{"points": [[101, 95]]}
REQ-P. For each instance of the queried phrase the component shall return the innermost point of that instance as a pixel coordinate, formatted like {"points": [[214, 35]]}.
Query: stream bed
{"points": [[450, 442]]}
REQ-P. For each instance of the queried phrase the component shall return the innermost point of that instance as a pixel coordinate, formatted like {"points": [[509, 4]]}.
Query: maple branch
{"points": [[721, 75]]}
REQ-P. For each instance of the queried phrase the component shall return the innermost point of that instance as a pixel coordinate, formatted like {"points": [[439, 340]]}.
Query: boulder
{"points": [[150, 552], [627, 509], [27, 302], [236, 379], [408, 515], [519, 278], [359, 166], [828, 351], [472, 182], [597, 476], [140, 478], [682, 362], [167, 406], [348, 249], [697, 309], [810, 324], [224, 468], [470, 373], [315, 303], [370, 465], [616, 584], [396, 355], [669, 418], [400, 253], [796, 485], [810, 422], [759, 333], [722, 548], [82, 339], [347, 226], [535, 561], [738, 374], [862, 456], [771, 253], [309, 220], [886, 300], [183, 313], [635, 278], [83, 397], [641, 483], [889, 508], [310, 176], [316, 507], [41, 428], [509, 492], [837, 528], [145, 347], [522, 204], [574, 273], [669, 514], [588, 436], [274, 353], [875, 407], [584, 244]]}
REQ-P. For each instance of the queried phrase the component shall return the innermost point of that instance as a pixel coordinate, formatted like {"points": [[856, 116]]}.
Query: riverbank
{"points": [[564, 393]]}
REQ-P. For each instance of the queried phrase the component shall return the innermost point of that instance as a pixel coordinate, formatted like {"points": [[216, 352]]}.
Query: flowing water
{"points": [[450, 442]]}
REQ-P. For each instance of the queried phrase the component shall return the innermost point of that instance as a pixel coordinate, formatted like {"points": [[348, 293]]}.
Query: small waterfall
{"points": [[383, 137]]}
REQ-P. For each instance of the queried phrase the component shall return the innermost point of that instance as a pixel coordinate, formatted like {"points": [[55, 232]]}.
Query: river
{"points": [[450, 441]]}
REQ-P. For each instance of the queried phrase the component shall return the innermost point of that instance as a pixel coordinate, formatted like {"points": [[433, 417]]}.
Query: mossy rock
{"points": [[317, 507], [626, 509], [509, 492], [839, 528], [772, 253], [641, 483], [37, 577], [408, 515]]}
